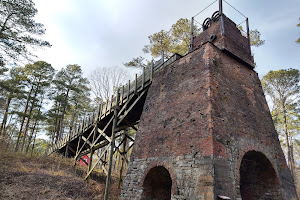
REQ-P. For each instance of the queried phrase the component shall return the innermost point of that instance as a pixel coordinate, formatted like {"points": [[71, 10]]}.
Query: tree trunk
{"points": [[26, 128], [35, 124], [29, 117], [63, 115], [3, 125], [33, 144], [31, 135], [23, 119], [5, 22], [288, 145], [73, 120], [292, 155], [55, 132]]}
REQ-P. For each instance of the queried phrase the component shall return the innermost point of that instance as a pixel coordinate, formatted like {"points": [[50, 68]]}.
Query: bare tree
{"points": [[105, 80]]}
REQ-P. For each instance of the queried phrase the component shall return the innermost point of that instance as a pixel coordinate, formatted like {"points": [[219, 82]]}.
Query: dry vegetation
{"points": [[52, 178], [297, 180]]}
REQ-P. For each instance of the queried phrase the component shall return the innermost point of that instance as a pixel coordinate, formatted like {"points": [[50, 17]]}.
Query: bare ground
{"points": [[25, 177]]}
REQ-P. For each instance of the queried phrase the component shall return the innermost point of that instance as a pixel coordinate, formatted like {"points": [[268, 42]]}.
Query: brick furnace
{"points": [[206, 131]]}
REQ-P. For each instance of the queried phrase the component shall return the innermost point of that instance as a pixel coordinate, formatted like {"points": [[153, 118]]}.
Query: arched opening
{"points": [[157, 184], [258, 179]]}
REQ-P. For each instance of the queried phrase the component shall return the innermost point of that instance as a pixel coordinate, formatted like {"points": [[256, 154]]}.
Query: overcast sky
{"points": [[99, 33]]}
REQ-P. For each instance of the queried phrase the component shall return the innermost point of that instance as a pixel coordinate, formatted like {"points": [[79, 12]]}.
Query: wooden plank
{"points": [[122, 97], [152, 70], [143, 78], [111, 103], [92, 168], [130, 138], [100, 145], [72, 150], [91, 160], [118, 150], [134, 128], [102, 131], [131, 106], [86, 140], [123, 108], [104, 135], [119, 128], [128, 90], [135, 84], [130, 147], [84, 144]]}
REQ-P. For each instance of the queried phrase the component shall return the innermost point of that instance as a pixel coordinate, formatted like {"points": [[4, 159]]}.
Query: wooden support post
{"points": [[112, 146], [80, 127], [67, 148], [91, 161], [111, 103], [100, 112], [105, 108], [122, 97], [128, 91], [75, 160], [95, 132], [74, 131], [143, 78], [97, 113], [102, 132], [135, 84], [122, 162], [87, 121], [152, 70]]}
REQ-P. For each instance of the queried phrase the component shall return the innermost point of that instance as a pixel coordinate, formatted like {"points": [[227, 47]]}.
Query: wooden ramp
{"points": [[100, 130]]}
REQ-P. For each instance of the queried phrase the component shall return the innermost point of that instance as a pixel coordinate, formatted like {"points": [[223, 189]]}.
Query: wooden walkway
{"points": [[100, 130]]}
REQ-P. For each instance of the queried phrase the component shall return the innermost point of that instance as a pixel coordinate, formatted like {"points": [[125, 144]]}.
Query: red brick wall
{"points": [[176, 115]]}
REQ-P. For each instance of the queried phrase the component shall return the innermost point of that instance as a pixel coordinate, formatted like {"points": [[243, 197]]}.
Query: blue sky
{"points": [[105, 33]]}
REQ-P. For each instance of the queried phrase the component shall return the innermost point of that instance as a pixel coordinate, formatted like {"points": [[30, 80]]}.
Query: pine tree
{"points": [[283, 88], [39, 76], [69, 85], [19, 31], [12, 87]]}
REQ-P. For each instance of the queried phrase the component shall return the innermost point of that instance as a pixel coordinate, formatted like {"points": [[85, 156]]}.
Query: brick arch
{"points": [[246, 148], [168, 167], [258, 178]]}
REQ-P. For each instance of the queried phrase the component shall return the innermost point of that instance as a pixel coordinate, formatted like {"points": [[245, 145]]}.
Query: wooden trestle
{"points": [[111, 120]]}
